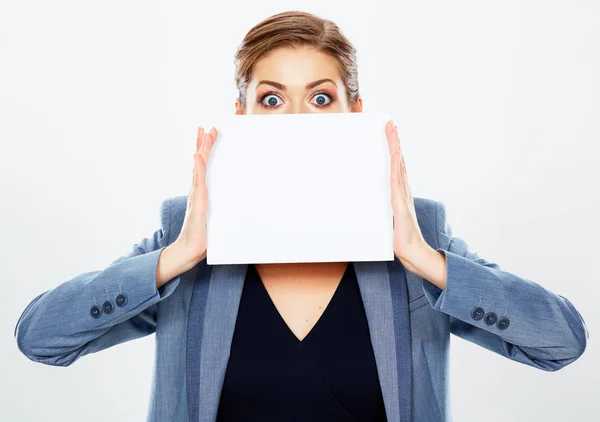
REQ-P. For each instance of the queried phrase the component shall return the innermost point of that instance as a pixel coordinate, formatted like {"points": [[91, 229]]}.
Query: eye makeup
{"points": [[262, 97], [332, 98]]}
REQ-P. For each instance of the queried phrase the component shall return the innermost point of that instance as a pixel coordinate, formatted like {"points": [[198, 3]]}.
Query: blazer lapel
{"points": [[211, 323], [385, 298]]}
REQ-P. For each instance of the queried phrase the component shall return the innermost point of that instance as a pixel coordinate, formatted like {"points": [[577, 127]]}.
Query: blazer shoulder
{"points": [[428, 217], [172, 213], [425, 205]]}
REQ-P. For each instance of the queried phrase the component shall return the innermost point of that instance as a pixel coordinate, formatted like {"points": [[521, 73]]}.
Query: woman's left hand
{"points": [[409, 244], [408, 238]]}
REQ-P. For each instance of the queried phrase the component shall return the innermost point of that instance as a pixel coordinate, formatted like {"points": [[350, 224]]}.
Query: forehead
{"points": [[295, 66]]}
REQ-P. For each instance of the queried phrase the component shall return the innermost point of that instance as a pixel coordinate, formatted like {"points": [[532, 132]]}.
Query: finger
{"points": [[395, 175], [403, 168], [202, 143], [200, 174], [404, 176], [395, 184], [209, 142], [391, 134], [199, 137], [394, 145], [195, 170]]}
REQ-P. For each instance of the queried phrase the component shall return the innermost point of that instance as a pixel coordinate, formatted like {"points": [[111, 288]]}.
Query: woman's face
{"points": [[301, 80]]}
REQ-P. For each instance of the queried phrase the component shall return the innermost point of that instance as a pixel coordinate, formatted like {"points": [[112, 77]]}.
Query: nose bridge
{"points": [[296, 102], [299, 107]]}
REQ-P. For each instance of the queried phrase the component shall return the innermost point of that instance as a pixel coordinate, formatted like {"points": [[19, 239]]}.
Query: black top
{"points": [[330, 375]]}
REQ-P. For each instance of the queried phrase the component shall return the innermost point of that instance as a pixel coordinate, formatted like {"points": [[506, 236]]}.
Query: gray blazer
{"points": [[509, 315]]}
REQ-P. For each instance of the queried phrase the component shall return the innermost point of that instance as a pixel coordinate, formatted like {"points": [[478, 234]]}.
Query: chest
{"points": [[333, 367], [300, 294]]}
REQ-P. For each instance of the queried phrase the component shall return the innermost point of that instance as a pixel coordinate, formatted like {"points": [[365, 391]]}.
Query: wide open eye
{"points": [[271, 100], [322, 99]]}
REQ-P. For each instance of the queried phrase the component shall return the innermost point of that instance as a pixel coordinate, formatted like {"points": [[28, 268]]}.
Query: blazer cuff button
{"points": [[503, 323], [96, 312], [121, 300], [490, 318], [477, 313]]}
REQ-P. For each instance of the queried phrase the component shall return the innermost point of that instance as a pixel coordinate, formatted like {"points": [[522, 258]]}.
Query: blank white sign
{"points": [[309, 187]]}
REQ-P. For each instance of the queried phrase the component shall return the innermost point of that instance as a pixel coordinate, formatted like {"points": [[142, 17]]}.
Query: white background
{"points": [[497, 107]]}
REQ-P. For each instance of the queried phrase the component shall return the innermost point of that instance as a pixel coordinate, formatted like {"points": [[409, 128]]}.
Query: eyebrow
{"points": [[308, 86]]}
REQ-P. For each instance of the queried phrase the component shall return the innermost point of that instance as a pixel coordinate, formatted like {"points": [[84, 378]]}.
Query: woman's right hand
{"points": [[190, 246], [192, 237]]}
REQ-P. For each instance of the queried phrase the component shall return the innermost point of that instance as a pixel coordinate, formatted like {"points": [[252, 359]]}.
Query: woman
{"points": [[335, 341]]}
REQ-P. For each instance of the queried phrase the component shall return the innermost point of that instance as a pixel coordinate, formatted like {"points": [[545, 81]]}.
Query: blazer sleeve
{"points": [[99, 309], [504, 313]]}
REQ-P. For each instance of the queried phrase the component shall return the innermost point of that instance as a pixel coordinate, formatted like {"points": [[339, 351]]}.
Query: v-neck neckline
{"points": [[319, 322]]}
